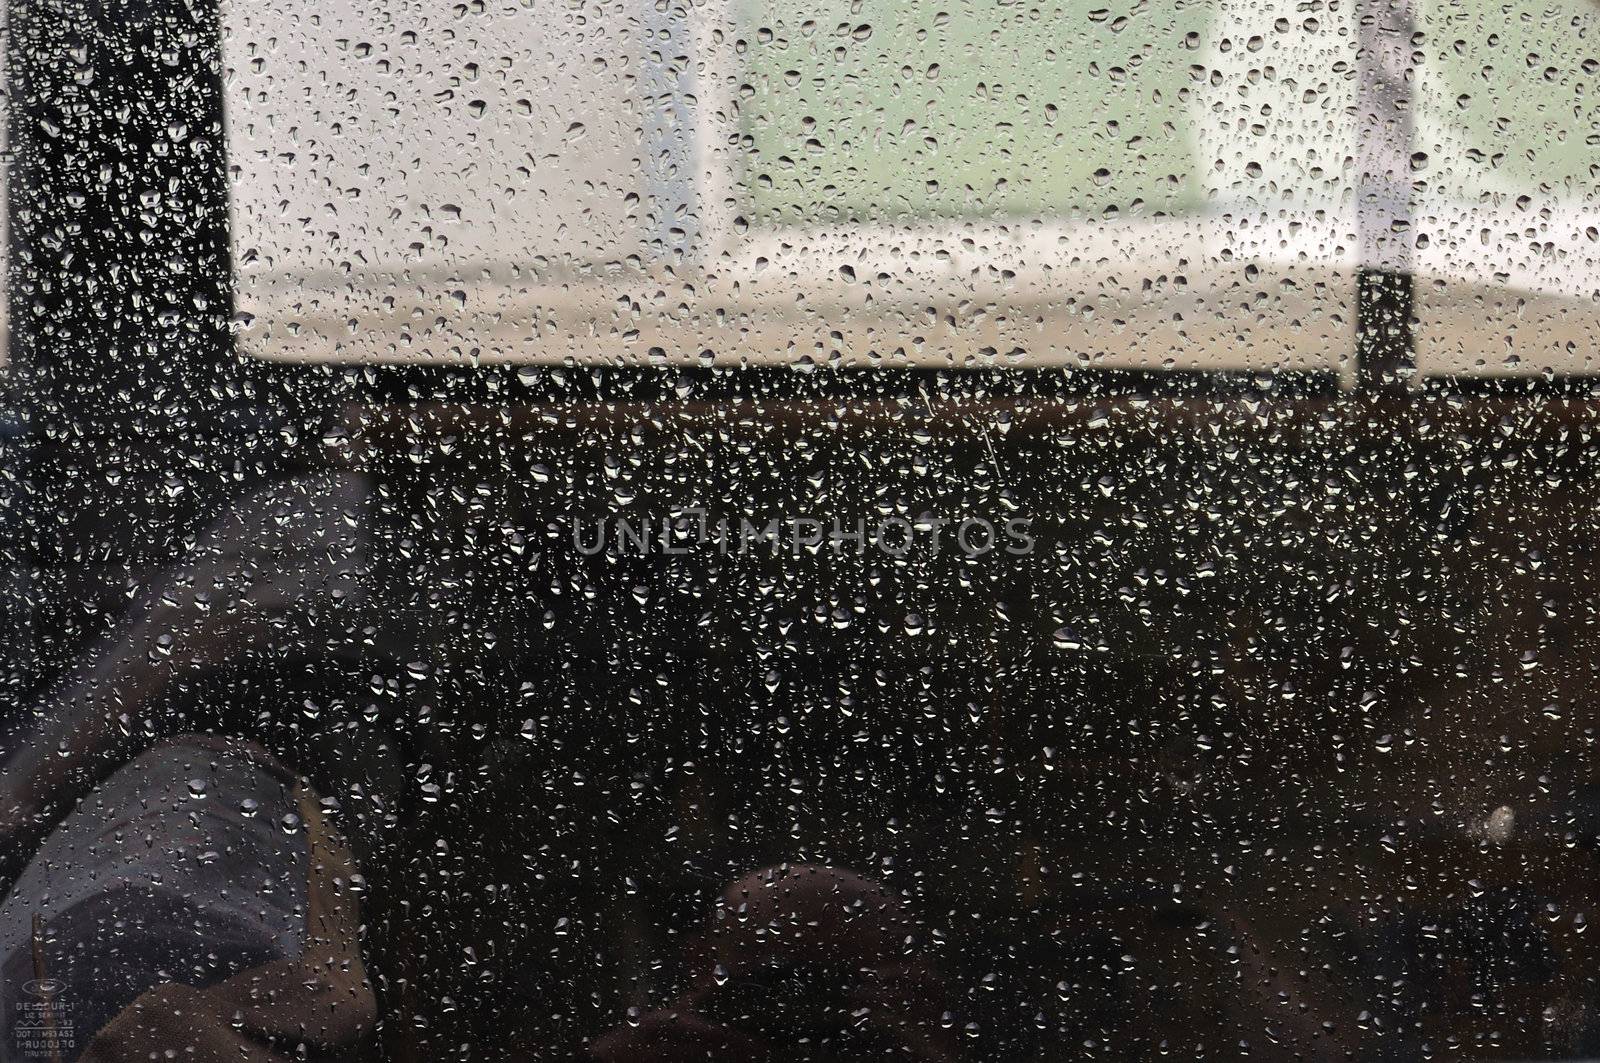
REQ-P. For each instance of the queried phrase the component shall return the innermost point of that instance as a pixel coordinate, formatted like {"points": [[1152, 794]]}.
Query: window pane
{"points": [[944, 110], [1146, 185], [1507, 192], [700, 702]]}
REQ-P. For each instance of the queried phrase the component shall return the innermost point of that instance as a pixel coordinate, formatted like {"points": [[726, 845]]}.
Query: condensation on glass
{"points": [[5, 183], [1506, 172], [1154, 185]]}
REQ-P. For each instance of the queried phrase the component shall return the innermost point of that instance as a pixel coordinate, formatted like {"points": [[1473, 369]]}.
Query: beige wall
{"points": [[393, 165]]}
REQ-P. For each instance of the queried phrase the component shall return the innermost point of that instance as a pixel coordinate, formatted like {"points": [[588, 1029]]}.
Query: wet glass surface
{"points": [[732, 532]]}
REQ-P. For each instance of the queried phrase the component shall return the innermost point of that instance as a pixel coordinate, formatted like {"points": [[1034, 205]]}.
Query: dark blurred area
{"points": [[1278, 738]]}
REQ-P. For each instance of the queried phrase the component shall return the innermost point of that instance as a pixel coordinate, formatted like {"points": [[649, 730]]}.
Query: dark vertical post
{"points": [[138, 419], [1385, 348], [16, 612], [120, 217]]}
